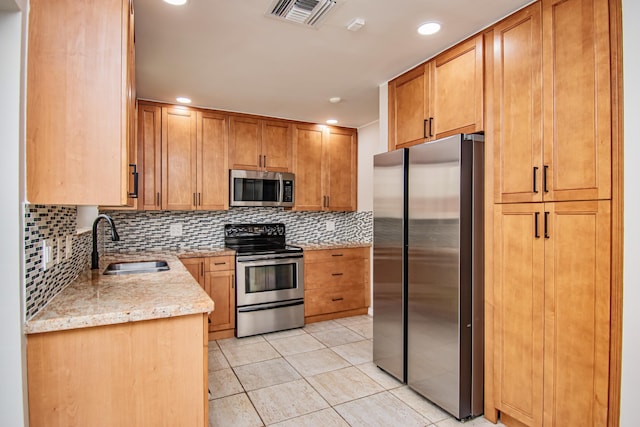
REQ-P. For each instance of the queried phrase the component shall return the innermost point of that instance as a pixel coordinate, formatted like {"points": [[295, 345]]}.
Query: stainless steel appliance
{"points": [[255, 188], [269, 279], [428, 270]]}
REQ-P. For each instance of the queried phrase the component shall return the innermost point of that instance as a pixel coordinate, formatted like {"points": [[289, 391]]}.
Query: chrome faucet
{"points": [[114, 237]]}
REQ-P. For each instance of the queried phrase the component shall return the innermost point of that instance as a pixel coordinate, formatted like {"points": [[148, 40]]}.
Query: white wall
{"points": [[12, 342], [368, 140], [631, 313]]}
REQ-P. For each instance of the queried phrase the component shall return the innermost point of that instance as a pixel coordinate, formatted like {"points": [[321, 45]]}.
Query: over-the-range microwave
{"points": [[254, 188]]}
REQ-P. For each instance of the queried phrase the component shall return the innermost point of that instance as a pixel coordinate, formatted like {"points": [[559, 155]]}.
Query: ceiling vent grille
{"points": [[306, 12]]}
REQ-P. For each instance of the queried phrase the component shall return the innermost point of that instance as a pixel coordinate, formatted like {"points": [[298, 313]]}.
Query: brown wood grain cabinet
{"points": [[263, 145], [336, 283], [149, 158], [80, 102], [325, 166], [441, 97], [137, 373]]}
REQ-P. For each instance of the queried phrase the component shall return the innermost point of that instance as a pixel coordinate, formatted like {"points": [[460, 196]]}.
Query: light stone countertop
{"points": [[94, 299], [324, 246]]}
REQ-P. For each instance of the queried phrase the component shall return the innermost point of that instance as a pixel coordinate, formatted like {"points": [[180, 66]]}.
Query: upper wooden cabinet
{"points": [[263, 145], [213, 173], [438, 98], [178, 159], [325, 166], [80, 102], [553, 103], [149, 158]]}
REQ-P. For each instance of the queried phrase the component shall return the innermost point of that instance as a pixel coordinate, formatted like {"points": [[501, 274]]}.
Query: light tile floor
{"points": [[319, 375]]}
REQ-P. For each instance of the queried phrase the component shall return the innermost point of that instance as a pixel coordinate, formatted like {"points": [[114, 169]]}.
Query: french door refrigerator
{"points": [[428, 270]]}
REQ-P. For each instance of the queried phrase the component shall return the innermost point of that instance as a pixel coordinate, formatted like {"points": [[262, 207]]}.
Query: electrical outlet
{"points": [[175, 230], [47, 254], [68, 251], [330, 225]]}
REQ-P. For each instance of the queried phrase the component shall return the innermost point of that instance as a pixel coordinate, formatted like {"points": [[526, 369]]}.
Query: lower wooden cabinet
{"points": [[336, 283], [216, 275], [145, 373], [552, 267]]}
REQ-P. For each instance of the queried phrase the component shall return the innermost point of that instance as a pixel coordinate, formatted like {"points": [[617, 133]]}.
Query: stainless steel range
{"points": [[269, 278]]}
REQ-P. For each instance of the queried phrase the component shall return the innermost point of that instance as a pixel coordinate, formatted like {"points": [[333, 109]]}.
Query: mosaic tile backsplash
{"points": [[46, 222], [149, 230]]}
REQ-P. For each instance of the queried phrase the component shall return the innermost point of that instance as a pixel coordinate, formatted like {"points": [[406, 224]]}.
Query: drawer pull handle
{"points": [[336, 254], [336, 274], [219, 263], [337, 299]]}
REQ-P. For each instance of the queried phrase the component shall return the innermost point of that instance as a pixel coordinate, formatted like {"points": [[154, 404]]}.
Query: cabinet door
{"points": [[195, 266], [518, 107], [149, 159], [519, 310], [409, 108], [178, 158], [245, 143], [213, 172], [277, 139], [307, 154], [577, 99], [221, 288], [341, 170], [458, 89], [577, 301]]}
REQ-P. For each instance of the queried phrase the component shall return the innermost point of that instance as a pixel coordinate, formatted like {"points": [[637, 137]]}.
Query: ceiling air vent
{"points": [[306, 12]]}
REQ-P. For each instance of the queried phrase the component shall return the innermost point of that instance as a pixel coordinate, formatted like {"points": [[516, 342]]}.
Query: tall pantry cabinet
{"points": [[552, 214]]}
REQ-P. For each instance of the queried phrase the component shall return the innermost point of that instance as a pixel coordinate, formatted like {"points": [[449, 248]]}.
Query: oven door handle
{"points": [[269, 306], [279, 259]]}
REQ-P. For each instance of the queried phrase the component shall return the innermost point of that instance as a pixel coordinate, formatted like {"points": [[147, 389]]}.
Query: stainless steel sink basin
{"points": [[135, 267]]}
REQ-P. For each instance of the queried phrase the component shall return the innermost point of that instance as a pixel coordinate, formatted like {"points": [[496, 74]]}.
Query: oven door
{"points": [[264, 280]]}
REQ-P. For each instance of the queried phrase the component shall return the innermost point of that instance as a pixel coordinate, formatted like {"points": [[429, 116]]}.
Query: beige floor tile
{"points": [[236, 411], [213, 345], [356, 352], [344, 385], [364, 329], [325, 418], [379, 376], [321, 326], [284, 334], [284, 401], [238, 355], [223, 383], [354, 320], [265, 374], [482, 422], [337, 336], [420, 404], [316, 362], [235, 342], [450, 422], [296, 344], [380, 410], [217, 360]]}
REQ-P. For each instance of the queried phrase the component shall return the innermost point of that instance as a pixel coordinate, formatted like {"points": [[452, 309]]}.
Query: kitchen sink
{"points": [[135, 267]]}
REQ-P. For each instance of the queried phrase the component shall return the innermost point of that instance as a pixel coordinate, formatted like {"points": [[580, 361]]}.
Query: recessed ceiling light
{"points": [[176, 2], [183, 100], [332, 122], [335, 99], [429, 28]]}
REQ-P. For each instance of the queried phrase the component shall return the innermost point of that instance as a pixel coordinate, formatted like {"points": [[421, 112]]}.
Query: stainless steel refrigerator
{"points": [[428, 270]]}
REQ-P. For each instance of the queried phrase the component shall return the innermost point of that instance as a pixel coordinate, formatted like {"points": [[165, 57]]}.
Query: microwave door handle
{"points": [[280, 188]]}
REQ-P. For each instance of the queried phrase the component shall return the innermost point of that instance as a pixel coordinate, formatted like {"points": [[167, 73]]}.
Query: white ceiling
{"points": [[227, 55]]}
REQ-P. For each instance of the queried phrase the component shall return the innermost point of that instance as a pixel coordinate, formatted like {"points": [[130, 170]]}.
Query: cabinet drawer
{"points": [[333, 274], [322, 301], [220, 263], [335, 254]]}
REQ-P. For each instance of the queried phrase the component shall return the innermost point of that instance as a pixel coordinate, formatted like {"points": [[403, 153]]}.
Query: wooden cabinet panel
{"points": [[342, 157], [323, 301], [220, 285], [334, 274], [117, 375], [308, 167], [211, 158], [577, 99], [277, 140], [79, 102], [245, 143], [195, 266], [409, 107], [149, 156], [518, 107], [519, 314], [457, 93], [329, 255], [577, 313], [178, 158], [221, 263]]}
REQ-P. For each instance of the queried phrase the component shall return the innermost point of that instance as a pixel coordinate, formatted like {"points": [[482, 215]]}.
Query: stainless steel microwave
{"points": [[254, 188]]}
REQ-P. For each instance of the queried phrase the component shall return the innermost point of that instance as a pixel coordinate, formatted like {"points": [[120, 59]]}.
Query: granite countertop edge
{"points": [[324, 246]]}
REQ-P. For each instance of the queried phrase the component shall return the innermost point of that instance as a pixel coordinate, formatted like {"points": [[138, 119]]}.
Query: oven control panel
{"points": [[254, 230]]}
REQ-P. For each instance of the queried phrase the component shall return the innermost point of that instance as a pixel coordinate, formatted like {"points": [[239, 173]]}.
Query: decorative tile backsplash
{"points": [[150, 230], [51, 222]]}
